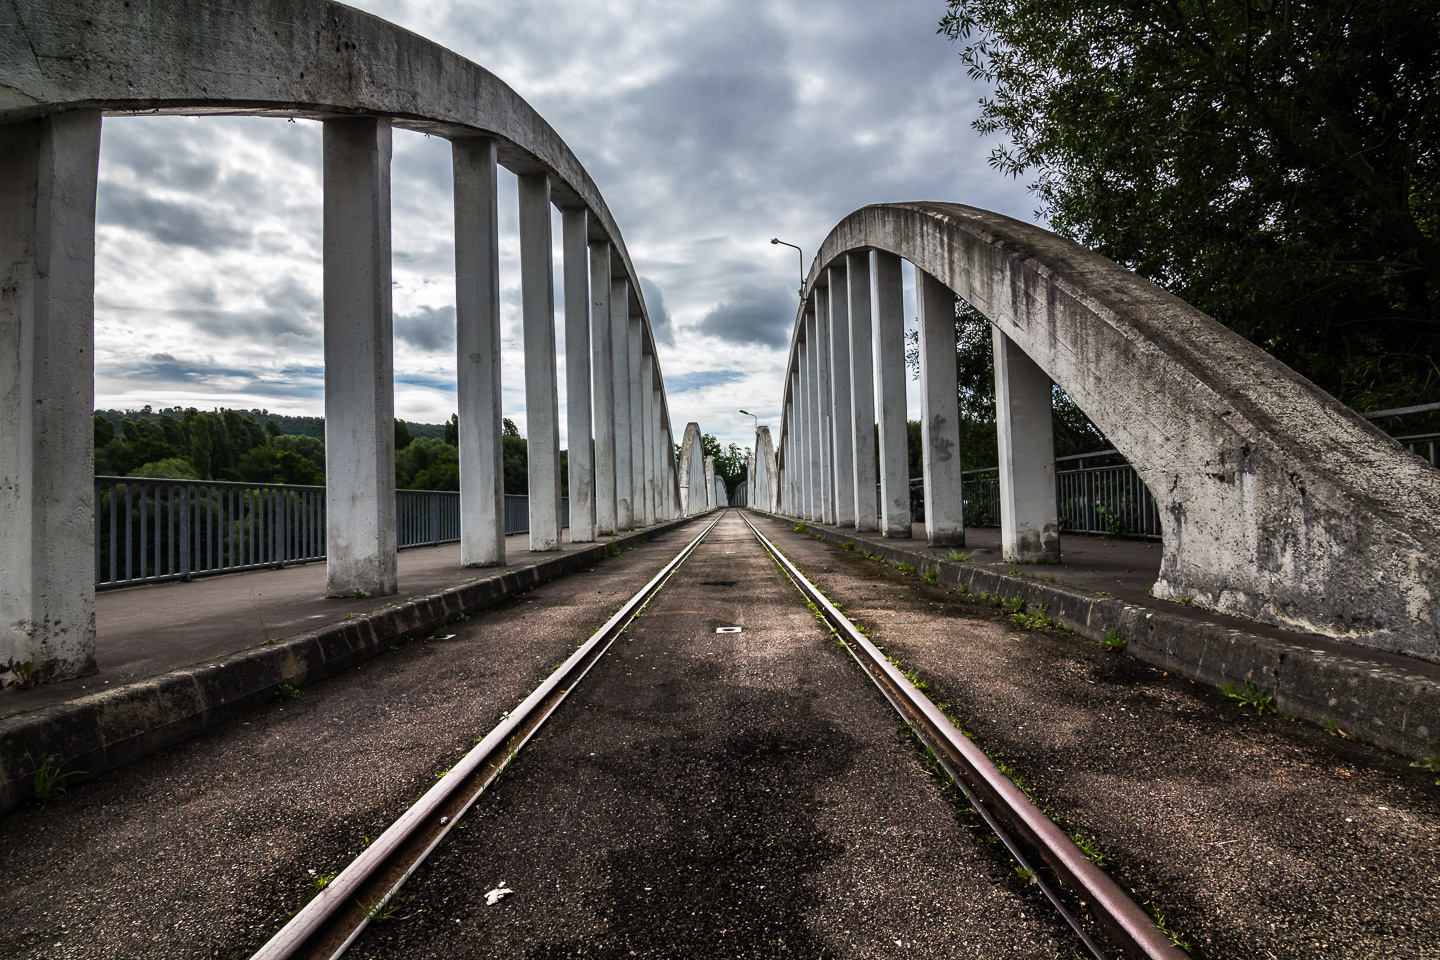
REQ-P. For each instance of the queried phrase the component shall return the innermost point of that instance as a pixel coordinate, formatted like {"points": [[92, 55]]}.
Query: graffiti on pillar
{"points": [[940, 446]]}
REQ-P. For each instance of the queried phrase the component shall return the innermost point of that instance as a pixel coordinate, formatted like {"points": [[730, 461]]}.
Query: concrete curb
{"points": [[1381, 704], [107, 730]]}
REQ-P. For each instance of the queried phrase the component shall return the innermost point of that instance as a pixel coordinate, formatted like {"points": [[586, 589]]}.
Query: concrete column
{"points": [[574, 239], [710, 501], [890, 378], [815, 429], [657, 448], [822, 398], [939, 414], [1029, 521], [542, 407], [48, 171], [620, 357], [637, 423], [359, 366], [862, 391], [647, 438], [603, 368], [841, 429], [477, 349], [810, 440]]}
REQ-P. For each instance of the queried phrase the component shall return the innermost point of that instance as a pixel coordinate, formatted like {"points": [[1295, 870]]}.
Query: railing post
{"points": [[1029, 527], [940, 413], [359, 385], [48, 173], [890, 363], [477, 348]]}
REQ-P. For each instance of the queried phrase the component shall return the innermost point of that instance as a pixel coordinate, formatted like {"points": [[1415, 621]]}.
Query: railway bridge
{"points": [[1298, 558]]}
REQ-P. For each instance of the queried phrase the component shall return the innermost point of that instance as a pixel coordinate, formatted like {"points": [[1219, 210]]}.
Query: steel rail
{"points": [[1004, 807], [329, 923]]}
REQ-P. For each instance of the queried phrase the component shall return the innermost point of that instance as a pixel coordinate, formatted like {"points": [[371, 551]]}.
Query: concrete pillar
{"points": [[48, 171], [575, 242], [822, 398], [1029, 521], [603, 370], [542, 407], [637, 423], [842, 431], [810, 445], [620, 357], [657, 446], [647, 438], [477, 349], [862, 391], [359, 367], [890, 377], [939, 414], [710, 502]]}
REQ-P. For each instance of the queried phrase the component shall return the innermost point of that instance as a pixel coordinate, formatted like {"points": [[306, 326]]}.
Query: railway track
{"points": [[337, 916]]}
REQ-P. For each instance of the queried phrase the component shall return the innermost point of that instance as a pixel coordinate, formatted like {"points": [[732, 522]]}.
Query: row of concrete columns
{"points": [[48, 175], [846, 390]]}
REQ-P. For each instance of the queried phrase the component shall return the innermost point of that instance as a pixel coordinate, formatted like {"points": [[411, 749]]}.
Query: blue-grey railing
{"points": [[148, 531], [1110, 500]]}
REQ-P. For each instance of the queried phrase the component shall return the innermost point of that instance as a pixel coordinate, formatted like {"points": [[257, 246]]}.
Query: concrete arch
{"points": [[765, 494], [693, 499], [1278, 503], [64, 64]]}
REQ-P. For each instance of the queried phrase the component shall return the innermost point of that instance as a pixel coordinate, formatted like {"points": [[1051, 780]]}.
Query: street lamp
{"points": [[757, 419], [802, 265]]}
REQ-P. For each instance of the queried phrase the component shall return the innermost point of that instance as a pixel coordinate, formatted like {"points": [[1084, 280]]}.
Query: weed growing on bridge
{"points": [[1163, 922], [905, 567], [358, 594], [49, 780], [23, 673], [286, 692], [322, 881], [381, 909], [848, 545], [460, 618], [931, 576], [1432, 762], [1250, 696], [1104, 593], [1114, 640], [1090, 848], [1035, 618], [800, 528], [959, 557], [1013, 604]]}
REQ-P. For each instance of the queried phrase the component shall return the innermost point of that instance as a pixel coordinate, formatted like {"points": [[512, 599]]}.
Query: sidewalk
{"points": [[149, 630]]}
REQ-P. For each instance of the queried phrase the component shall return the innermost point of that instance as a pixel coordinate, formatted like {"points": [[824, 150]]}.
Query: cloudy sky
{"points": [[710, 126]]}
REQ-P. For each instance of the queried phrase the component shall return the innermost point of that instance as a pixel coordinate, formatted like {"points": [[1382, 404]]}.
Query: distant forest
{"points": [[257, 446]]}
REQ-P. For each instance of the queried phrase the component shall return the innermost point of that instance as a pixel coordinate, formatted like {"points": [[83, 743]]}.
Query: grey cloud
{"points": [[429, 328], [660, 324], [177, 224], [754, 314]]}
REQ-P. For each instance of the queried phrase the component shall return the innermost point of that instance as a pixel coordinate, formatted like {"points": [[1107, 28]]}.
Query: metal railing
{"points": [[1109, 500], [147, 531], [1426, 446]]}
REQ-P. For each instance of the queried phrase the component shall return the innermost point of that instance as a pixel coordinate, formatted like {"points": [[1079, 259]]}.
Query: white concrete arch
{"points": [[64, 64], [1278, 503]]}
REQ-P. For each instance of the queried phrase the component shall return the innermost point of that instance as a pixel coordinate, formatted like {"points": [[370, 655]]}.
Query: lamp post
{"points": [[801, 254], [757, 419]]}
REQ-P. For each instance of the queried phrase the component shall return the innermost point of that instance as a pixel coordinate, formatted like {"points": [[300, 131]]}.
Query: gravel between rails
{"points": [[205, 849], [1258, 837], [720, 795]]}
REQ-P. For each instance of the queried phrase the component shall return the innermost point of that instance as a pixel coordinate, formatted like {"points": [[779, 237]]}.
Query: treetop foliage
{"points": [[1274, 163]]}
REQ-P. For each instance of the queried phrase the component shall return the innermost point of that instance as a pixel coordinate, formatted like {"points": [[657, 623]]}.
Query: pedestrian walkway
{"points": [[147, 630]]}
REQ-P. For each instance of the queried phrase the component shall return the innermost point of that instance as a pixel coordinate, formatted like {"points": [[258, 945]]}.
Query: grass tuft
{"points": [[1250, 696]]}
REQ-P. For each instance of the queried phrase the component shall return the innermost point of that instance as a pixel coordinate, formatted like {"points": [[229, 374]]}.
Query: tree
{"points": [[452, 430], [402, 435], [1274, 164]]}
